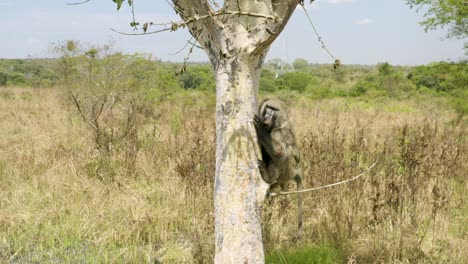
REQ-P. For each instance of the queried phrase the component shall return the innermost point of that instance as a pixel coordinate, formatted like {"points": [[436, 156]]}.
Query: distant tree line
{"points": [[158, 78], [26, 72]]}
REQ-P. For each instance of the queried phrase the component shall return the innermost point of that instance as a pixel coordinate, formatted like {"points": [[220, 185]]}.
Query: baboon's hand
{"points": [[259, 126], [263, 171], [256, 120], [261, 164]]}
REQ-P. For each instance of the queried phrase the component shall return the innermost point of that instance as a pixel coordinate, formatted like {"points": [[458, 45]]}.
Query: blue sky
{"points": [[356, 31]]}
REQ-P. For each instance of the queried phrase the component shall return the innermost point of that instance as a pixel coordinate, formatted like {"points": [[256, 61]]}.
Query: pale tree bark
{"points": [[236, 38]]}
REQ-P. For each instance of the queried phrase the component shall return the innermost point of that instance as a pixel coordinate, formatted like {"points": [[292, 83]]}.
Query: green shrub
{"points": [[340, 75], [198, 77], [318, 91], [460, 102], [296, 81], [362, 86], [385, 69], [16, 78], [300, 64], [394, 84], [441, 76], [3, 79], [268, 82], [388, 82], [31, 72], [96, 82]]}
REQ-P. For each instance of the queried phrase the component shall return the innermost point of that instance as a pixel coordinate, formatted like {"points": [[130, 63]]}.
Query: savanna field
{"points": [[110, 159]]}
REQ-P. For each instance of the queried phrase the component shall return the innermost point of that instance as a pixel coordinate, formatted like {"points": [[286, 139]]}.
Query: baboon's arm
{"points": [[266, 141]]}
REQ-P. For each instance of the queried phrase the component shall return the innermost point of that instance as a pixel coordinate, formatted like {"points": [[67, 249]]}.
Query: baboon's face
{"points": [[269, 117]]}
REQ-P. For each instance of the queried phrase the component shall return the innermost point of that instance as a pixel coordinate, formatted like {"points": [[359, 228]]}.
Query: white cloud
{"points": [[364, 21], [335, 2]]}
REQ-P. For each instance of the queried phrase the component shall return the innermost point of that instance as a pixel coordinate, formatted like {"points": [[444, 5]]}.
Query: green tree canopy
{"points": [[296, 81], [300, 64], [441, 13]]}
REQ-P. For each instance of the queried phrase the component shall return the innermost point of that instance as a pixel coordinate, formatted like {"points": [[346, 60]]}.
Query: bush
{"points": [[96, 81], [16, 78], [460, 102], [268, 82], [388, 82], [198, 77], [296, 81], [385, 69], [3, 79], [339, 74], [300, 64], [441, 76], [364, 85], [318, 91], [31, 72]]}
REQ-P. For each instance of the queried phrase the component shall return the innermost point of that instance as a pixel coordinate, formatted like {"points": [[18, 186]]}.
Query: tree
{"points": [[450, 13], [385, 69], [267, 81], [236, 35], [296, 81], [300, 64]]}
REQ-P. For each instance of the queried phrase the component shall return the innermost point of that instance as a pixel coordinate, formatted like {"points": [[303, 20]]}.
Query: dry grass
{"points": [[53, 209]]}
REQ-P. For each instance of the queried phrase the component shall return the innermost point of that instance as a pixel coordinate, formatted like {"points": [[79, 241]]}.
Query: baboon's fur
{"points": [[280, 154]]}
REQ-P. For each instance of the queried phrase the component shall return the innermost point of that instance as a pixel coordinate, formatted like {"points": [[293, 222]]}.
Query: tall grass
{"points": [[412, 207]]}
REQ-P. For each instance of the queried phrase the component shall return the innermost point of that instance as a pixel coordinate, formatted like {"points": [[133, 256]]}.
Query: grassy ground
{"points": [[64, 200]]}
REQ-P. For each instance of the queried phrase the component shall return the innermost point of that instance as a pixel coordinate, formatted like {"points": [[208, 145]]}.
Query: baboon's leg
{"points": [[300, 230]]}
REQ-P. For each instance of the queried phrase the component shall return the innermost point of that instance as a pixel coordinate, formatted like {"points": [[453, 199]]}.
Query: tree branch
{"points": [[79, 3], [176, 25], [283, 9], [198, 16]]}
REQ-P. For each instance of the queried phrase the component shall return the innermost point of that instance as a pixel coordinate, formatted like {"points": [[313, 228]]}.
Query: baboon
{"points": [[280, 155]]}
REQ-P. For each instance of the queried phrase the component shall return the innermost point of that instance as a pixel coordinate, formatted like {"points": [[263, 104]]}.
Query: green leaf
{"points": [[119, 3]]}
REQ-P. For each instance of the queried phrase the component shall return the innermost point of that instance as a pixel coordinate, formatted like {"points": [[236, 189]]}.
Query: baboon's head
{"points": [[269, 115], [272, 113]]}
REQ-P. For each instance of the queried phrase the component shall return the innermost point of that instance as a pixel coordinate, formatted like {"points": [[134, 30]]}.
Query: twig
{"points": [[140, 34], [316, 33], [214, 3], [176, 25], [325, 186], [134, 23], [186, 44], [184, 64], [79, 3], [195, 44]]}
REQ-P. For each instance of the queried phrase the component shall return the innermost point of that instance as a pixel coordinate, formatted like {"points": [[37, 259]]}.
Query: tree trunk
{"points": [[239, 190], [236, 37]]}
